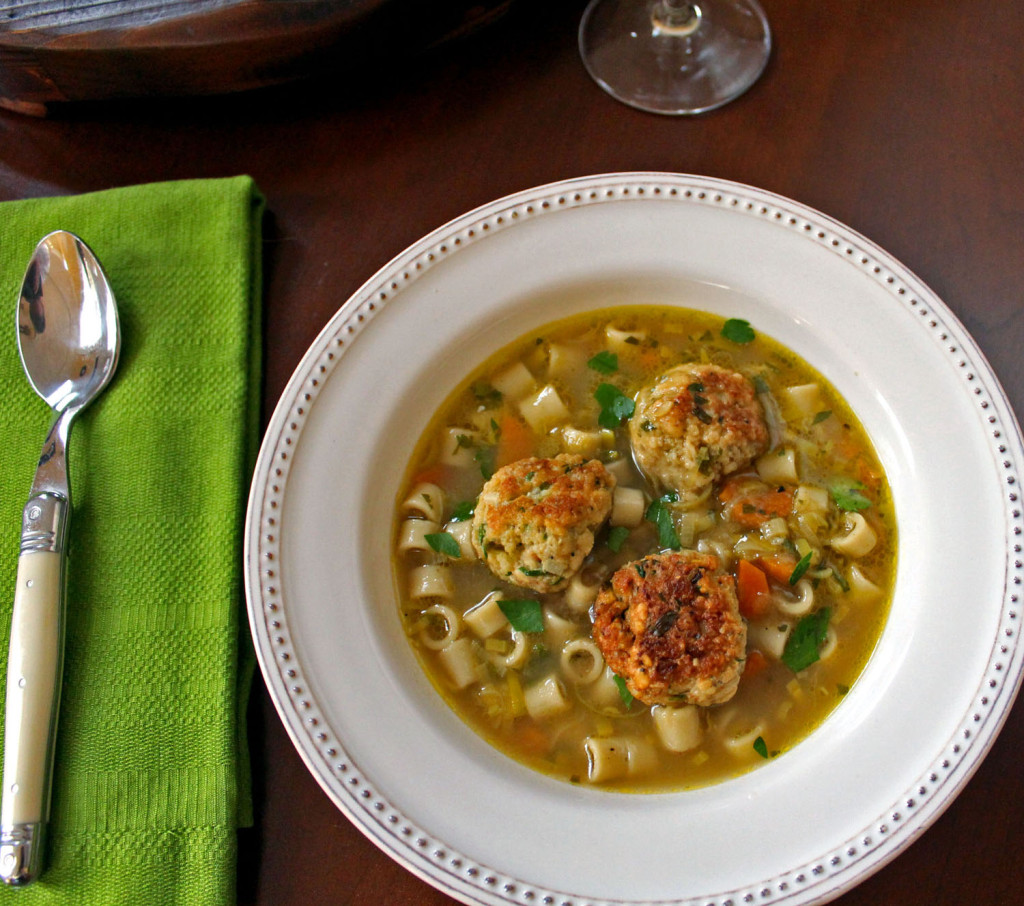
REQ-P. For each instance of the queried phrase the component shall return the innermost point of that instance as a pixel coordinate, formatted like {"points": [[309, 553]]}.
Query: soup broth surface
{"points": [[806, 532]]}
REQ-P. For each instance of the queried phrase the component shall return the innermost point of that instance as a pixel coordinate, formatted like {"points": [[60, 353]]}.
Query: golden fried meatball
{"points": [[536, 518], [694, 425], [669, 624]]}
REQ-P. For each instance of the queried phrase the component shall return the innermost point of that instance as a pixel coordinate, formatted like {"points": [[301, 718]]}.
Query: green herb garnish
{"points": [[660, 514], [524, 614], [444, 543], [804, 641], [464, 511], [800, 568], [624, 693], [605, 362], [819, 417], [761, 747], [849, 496], [615, 405], [738, 331], [617, 537], [489, 396], [485, 459]]}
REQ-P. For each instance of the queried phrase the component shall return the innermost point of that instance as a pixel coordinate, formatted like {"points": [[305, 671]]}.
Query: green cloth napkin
{"points": [[151, 776]]}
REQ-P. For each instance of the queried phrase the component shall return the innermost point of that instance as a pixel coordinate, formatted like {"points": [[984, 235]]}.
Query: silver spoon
{"points": [[69, 340]]}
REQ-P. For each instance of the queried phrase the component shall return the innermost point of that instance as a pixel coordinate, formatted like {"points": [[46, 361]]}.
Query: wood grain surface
{"points": [[901, 120]]}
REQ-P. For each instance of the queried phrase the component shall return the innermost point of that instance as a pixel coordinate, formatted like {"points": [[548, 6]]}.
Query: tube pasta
{"points": [[603, 693], [741, 742], [486, 618], [579, 594], [457, 447], [828, 647], [563, 360], [860, 538], [516, 658], [426, 500], [615, 757], [546, 698], [413, 535], [810, 499], [514, 382], [769, 638], [862, 589], [586, 443], [460, 663], [581, 661], [805, 399], [544, 409], [430, 580], [678, 727], [778, 466], [623, 340], [462, 532], [557, 630], [628, 506], [799, 606], [452, 627]]}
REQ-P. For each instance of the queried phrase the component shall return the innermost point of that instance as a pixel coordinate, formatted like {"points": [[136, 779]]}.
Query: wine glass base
{"points": [[680, 70]]}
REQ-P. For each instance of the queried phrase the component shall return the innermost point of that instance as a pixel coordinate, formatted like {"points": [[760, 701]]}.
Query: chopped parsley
{"points": [[464, 511], [617, 537], [615, 405], [800, 568], [761, 747], [849, 496], [444, 543], [819, 417], [738, 331], [485, 459], [604, 362], [624, 693], [487, 395], [524, 614], [660, 514], [804, 641]]}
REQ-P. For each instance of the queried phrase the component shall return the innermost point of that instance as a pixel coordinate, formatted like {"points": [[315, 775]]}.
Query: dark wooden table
{"points": [[902, 120]]}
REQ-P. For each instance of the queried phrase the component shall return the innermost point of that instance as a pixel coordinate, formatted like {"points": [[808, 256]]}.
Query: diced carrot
{"points": [[438, 473], [532, 739], [752, 590], [778, 567], [515, 441], [755, 663], [752, 503]]}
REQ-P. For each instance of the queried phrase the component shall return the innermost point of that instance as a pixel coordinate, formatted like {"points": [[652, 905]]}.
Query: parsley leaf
{"points": [[615, 405], [800, 568], [802, 645], [485, 459], [445, 544], [661, 515], [464, 511], [624, 693], [605, 362], [617, 537], [738, 330], [849, 496], [761, 747], [524, 614], [819, 417]]}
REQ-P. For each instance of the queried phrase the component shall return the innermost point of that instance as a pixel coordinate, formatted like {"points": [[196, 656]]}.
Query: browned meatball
{"points": [[669, 625], [536, 518], [694, 425]]}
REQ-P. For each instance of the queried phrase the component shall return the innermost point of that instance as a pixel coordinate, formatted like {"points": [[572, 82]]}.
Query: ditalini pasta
{"points": [[571, 468]]}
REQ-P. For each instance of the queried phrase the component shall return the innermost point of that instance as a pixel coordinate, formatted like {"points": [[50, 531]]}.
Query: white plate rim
{"points": [[840, 865]]}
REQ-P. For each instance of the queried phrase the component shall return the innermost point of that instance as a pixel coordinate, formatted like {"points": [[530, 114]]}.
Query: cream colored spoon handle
{"points": [[34, 669]]}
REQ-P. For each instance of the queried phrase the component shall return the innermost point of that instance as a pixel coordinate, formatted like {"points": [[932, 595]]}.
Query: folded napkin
{"points": [[151, 776]]}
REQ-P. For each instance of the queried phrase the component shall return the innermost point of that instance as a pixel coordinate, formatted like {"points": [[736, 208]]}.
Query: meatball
{"points": [[694, 425], [669, 625], [536, 518]]}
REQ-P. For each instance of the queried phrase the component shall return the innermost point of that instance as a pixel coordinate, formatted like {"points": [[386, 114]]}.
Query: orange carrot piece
{"points": [[755, 663], [778, 567], [752, 590], [438, 473], [515, 441], [753, 503]]}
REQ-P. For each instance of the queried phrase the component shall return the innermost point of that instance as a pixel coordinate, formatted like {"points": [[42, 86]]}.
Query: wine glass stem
{"points": [[675, 17]]}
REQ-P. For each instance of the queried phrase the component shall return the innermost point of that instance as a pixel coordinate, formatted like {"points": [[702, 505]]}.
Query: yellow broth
{"points": [[820, 458]]}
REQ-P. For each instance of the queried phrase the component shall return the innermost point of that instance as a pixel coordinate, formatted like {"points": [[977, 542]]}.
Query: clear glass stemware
{"points": [[672, 56]]}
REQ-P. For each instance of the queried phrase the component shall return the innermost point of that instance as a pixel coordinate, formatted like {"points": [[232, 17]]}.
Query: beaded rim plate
{"points": [[808, 824]]}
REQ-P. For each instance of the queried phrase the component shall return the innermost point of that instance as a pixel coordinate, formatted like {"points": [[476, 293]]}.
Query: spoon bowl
{"points": [[69, 341]]}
